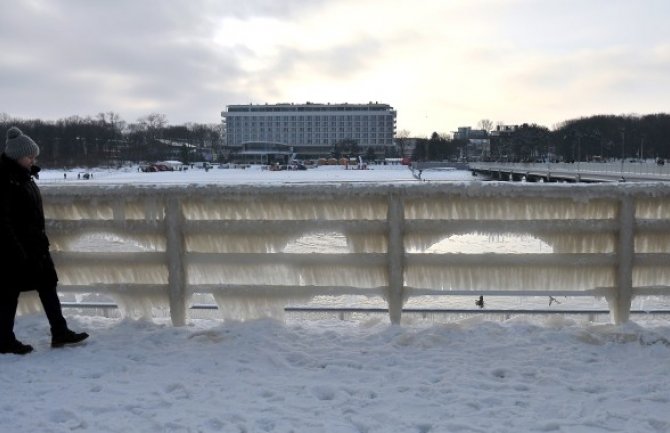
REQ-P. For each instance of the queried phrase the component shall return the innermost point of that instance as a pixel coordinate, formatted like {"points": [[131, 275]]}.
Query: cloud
{"points": [[441, 64], [80, 57]]}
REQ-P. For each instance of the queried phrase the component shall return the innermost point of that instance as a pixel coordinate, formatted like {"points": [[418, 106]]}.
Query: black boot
{"points": [[16, 347], [67, 337]]}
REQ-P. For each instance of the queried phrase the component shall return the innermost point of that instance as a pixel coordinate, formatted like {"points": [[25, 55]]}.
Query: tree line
{"points": [[594, 138], [108, 140]]}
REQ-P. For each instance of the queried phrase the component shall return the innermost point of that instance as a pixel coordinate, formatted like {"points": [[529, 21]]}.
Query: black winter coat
{"points": [[25, 262]]}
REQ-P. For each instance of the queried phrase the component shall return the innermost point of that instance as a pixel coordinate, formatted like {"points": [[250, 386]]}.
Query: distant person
{"points": [[25, 261]]}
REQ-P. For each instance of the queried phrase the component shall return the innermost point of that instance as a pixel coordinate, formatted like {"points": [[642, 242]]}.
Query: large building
{"points": [[308, 130]]}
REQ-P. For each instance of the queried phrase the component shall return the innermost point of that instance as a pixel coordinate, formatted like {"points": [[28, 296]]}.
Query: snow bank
{"points": [[341, 376]]}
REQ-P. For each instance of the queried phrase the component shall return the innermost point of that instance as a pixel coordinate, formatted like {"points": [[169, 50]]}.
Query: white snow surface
{"points": [[346, 374], [330, 375], [253, 174]]}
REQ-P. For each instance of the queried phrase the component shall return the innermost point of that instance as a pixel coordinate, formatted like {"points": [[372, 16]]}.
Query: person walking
{"points": [[25, 261]]}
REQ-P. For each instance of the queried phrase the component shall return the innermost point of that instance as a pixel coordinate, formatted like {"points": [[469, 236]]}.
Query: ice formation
{"points": [[232, 242]]}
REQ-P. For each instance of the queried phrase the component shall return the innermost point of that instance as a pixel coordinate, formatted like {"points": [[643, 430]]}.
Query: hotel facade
{"points": [[308, 130]]}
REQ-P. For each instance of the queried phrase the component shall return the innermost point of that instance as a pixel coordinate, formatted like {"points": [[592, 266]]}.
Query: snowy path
{"points": [[339, 376]]}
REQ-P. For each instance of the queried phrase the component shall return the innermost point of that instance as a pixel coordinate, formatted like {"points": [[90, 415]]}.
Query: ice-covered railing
{"points": [[609, 241]]}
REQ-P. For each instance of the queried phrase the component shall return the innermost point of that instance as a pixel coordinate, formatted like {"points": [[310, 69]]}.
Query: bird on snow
{"points": [[480, 302]]}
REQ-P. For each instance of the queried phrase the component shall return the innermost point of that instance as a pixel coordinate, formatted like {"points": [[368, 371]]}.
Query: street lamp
{"points": [[623, 147], [579, 151]]}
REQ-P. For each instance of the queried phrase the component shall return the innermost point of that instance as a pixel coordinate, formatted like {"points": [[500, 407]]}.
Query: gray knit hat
{"points": [[19, 144]]}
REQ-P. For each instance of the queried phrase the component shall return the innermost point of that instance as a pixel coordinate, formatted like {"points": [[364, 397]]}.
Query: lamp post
{"points": [[623, 147], [579, 151], [548, 160]]}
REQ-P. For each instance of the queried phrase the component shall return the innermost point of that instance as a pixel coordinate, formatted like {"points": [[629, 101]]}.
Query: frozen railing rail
{"points": [[609, 241]]}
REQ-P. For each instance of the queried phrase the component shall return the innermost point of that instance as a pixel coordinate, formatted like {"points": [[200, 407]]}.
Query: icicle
{"points": [[509, 208], [241, 308], [581, 242], [138, 305], [233, 243], [287, 275], [508, 278], [108, 272], [653, 208], [29, 303], [119, 210]]}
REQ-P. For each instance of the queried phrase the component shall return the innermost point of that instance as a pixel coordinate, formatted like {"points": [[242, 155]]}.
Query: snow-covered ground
{"points": [[253, 174], [341, 376], [360, 374]]}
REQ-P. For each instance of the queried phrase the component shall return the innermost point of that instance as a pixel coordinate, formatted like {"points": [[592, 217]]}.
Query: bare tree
{"points": [[401, 138], [153, 124], [153, 121], [111, 118], [486, 125], [403, 133]]}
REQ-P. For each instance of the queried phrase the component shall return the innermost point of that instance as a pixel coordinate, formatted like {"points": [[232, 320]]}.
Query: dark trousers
{"points": [[9, 301]]}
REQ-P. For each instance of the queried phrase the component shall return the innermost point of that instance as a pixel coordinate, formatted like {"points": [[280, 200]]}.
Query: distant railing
{"points": [[162, 245], [595, 171]]}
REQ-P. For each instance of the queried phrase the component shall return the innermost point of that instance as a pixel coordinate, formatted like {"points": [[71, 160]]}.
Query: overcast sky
{"points": [[440, 63]]}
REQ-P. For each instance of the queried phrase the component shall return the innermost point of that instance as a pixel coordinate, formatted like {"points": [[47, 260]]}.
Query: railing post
{"points": [[621, 300], [396, 257], [175, 254]]}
